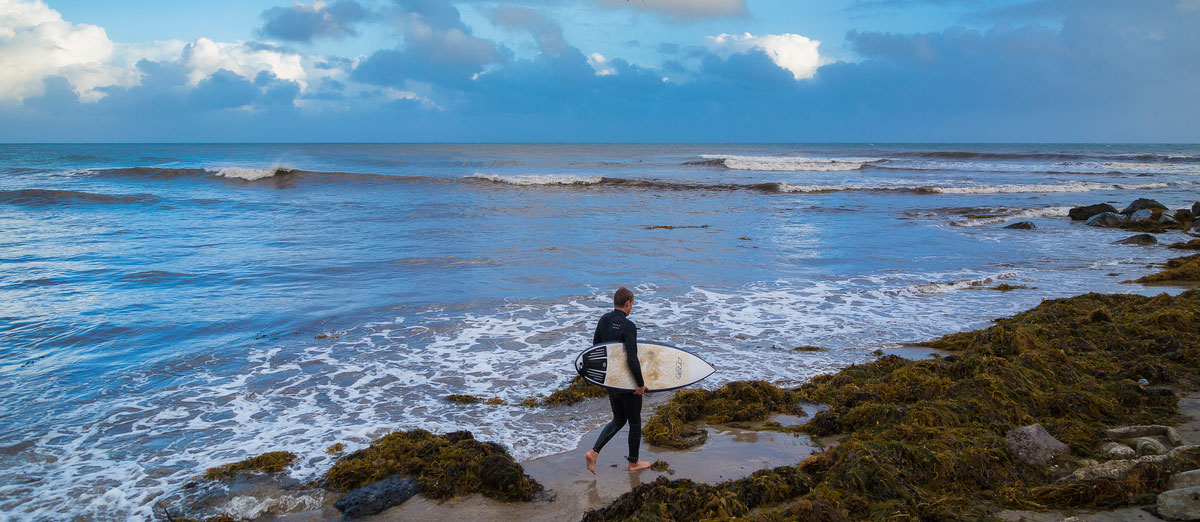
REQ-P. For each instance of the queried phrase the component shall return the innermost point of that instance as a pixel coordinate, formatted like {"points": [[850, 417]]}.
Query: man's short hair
{"points": [[622, 296]]}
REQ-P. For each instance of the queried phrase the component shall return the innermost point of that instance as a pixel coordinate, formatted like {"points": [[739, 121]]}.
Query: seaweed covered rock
{"points": [[377, 496], [1143, 204], [739, 401], [272, 462], [1188, 245], [444, 466], [1140, 239], [1033, 445], [576, 391], [1086, 212], [1022, 225], [684, 500], [1180, 269]]}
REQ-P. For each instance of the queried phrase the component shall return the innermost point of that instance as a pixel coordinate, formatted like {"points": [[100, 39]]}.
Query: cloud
{"points": [[684, 9], [304, 23], [793, 52], [600, 64], [548, 34], [35, 42], [204, 57]]}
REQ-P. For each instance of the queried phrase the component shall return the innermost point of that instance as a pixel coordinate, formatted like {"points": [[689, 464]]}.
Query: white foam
{"points": [[790, 163], [950, 286], [247, 174], [540, 180], [1023, 214]]}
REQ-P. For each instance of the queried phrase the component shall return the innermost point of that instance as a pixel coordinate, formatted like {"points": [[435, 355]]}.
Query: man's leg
{"points": [[611, 429], [633, 412]]}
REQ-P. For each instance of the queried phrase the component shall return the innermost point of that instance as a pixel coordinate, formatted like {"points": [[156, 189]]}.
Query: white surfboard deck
{"points": [[664, 367]]}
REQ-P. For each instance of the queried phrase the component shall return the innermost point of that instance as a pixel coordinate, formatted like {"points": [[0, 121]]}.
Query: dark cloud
{"points": [[304, 23], [223, 90]]}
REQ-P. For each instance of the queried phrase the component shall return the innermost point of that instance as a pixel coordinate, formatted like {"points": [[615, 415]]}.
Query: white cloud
{"points": [[205, 57], [684, 8], [601, 65], [36, 42], [797, 54]]}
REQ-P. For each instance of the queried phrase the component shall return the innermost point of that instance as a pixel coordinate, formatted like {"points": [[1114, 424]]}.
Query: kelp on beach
{"points": [[443, 466], [926, 439]]}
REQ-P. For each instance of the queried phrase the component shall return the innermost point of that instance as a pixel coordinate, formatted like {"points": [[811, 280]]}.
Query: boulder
{"points": [[1196, 208], [1166, 219], [1140, 239], [1117, 450], [377, 497], [1187, 479], [1180, 504], [1143, 203], [1082, 213], [1034, 445], [1022, 225], [1144, 214], [1106, 219]]}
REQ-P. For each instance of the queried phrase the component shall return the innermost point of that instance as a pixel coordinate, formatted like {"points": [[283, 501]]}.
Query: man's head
{"points": [[623, 300]]}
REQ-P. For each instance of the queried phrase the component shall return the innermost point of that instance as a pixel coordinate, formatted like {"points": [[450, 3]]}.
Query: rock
{"points": [[1022, 225], [1144, 214], [1166, 219], [1183, 215], [1143, 204], [1034, 445], [1186, 479], [1151, 430], [1082, 213], [1196, 208], [1106, 219], [1117, 450], [1150, 446], [377, 496], [1140, 239], [1180, 504]]}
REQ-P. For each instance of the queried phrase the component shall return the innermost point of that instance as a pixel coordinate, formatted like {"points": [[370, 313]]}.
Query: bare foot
{"points": [[641, 464], [591, 460]]}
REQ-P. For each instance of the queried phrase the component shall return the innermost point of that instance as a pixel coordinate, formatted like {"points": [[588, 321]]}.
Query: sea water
{"points": [[167, 308]]}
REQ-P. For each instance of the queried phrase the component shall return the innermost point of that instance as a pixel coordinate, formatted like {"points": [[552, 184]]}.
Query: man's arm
{"points": [[631, 352]]}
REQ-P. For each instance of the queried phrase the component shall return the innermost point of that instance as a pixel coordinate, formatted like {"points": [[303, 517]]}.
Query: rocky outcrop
{"points": [[377, 497], [1022, 225], [1082, 213], [1180, 504], [1140, 239], [1141, 215], [1143, 204], [1187, 479], [1106, 219], [1034, 445], [1196, 208]]}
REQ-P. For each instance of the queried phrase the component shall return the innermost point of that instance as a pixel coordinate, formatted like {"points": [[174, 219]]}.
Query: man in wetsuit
{"points": [[626, 405]]}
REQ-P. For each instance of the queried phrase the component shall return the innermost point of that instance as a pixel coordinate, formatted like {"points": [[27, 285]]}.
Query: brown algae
{"points": [[444, 466], [1179, 269], [272, 462], [740, 401]]}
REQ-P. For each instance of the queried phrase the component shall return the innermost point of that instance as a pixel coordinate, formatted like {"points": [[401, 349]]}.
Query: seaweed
{"points": [[463, 399], [926, 439], [1179, 269], [577, 390], [1005, 287], [1189, 245], [808, 348], [738, 401], [336, 449], [444, 466], [272, 462]]}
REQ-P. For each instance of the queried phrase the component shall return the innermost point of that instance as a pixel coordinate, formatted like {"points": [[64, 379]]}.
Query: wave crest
{"points": [[249, 174], [539, 180], [785, 163]]}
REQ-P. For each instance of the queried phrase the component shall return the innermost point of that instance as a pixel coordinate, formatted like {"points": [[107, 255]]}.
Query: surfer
{"points": [[626, 405]]}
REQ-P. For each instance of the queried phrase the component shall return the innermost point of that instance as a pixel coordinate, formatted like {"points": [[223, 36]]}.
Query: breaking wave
{"points": [[540, 180], [785, 163], [1024, 214]]}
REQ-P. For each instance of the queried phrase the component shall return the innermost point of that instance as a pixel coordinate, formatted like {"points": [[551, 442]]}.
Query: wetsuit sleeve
{"points": [[631, 352]]}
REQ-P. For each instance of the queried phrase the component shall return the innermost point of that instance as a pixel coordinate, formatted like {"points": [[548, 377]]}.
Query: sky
{"points": [[600, 71]]}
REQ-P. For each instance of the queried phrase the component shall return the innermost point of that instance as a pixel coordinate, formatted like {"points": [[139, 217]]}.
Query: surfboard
{"points": [[664, 367]]}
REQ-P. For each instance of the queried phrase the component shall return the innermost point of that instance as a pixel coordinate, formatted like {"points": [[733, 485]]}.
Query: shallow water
{"points": [[160, 304]]}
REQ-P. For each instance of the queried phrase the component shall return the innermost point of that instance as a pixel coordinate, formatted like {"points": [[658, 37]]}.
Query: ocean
{"points": [[167, 308]]}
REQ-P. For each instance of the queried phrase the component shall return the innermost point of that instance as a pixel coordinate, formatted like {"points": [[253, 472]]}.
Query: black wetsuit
{"points": [[626, 406]]}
